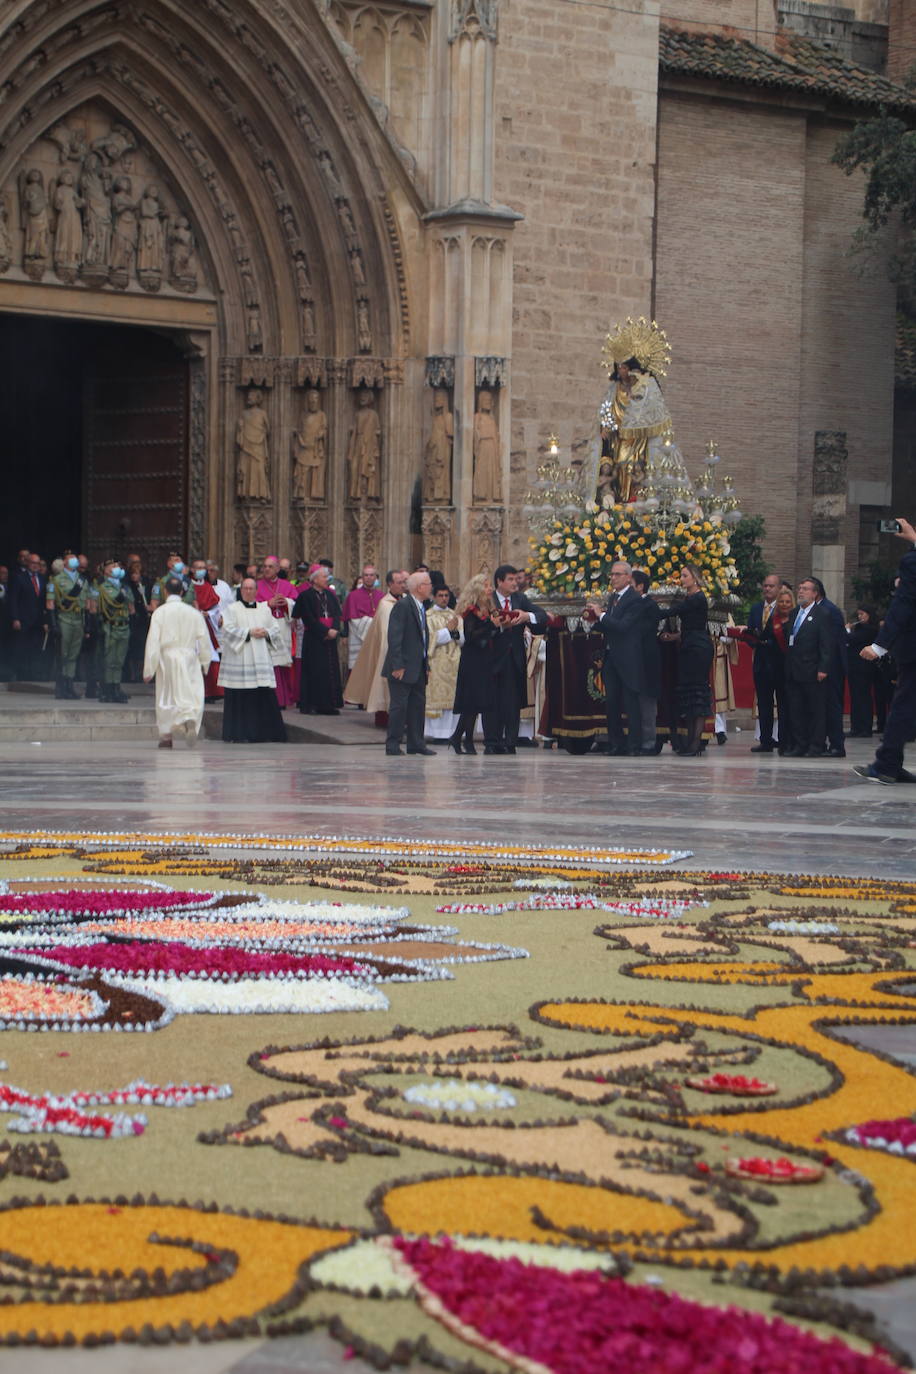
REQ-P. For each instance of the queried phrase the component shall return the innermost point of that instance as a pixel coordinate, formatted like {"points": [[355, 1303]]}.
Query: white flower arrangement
{"points": [[453, 1095]]}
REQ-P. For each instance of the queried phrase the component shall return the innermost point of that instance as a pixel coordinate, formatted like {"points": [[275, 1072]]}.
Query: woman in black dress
{"points": [[475, 689], [319, 610], [861, 673], [694, 659]]}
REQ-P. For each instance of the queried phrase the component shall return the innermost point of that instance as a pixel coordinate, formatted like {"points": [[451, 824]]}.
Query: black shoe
{"points": [[905, 776], [523, 742], [836, 753], [870, 773], [70, 691], [469, 747], [454, 744], [762, 749], [392, 752], [509, 749], [647, 753], [493, 749], [815, 753], [430, 752], [721, 737], [118, 698], [92, 690], [795, 753]]}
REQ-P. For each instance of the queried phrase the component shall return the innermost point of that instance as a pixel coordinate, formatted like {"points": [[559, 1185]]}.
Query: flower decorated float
{"points": [[641, 507]]}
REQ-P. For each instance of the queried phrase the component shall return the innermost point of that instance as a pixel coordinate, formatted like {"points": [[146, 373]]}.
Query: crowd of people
{"points": [[430, 665]]}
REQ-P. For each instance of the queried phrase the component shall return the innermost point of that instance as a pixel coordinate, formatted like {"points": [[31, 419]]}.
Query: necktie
{"points": [[767, 611], [35, 582], [802, 612]]}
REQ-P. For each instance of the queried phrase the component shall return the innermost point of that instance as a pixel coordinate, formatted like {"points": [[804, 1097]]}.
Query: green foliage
{"points": [[873, 585], [747, 554], [884, 148]]}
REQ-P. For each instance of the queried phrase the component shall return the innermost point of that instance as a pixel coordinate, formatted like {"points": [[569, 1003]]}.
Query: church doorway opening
{"points": [[95, 420]]}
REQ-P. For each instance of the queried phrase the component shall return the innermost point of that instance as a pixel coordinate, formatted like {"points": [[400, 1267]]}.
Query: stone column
{"points": [[828, 511]]}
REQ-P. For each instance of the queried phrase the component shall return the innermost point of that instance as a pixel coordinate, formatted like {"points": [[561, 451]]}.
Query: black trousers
{"points": [[900, 723], [406, 710], [621, 697], [31, 664], [808, 712], [500, 727], [836, 690], [765, 688]]}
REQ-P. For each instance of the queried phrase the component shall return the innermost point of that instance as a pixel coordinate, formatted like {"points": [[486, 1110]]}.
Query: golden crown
{"points": [[641, 340]]}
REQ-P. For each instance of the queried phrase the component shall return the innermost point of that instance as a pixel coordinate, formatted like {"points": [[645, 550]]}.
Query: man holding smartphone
{"points": [[898, 633]]}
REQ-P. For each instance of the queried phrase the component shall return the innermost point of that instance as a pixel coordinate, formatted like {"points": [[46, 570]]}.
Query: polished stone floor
{"points": [[729, 808]]}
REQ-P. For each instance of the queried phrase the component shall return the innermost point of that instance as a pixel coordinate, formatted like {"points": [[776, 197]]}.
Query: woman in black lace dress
{"points": [[694, 659]]}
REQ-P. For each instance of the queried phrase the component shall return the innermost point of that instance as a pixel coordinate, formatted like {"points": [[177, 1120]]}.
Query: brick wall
{"points": [[775, 334], [751, 19], [575, 150], [847, 361], [729, 292], [902, 38]]}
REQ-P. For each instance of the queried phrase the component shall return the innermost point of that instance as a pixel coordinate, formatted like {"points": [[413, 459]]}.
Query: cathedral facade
{"points": [[322, 276]]}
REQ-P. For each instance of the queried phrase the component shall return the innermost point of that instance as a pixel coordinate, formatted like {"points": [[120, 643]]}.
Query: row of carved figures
{"points": [[309, 451], [97, 228]]}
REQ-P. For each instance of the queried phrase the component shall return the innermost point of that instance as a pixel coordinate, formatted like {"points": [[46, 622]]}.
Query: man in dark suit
{"points": [[622, 625], [652, 616], [764, 679], [406, 666], [898, 634], [516, 614], [836, 676], [29, 619], [807, 664]]}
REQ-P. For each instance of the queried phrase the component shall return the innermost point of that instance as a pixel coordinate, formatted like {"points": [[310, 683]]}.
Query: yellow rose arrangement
{"points": [[575, 556]]}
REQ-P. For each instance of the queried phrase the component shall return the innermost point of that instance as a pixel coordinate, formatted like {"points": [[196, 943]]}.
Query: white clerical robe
{"points": [[365, 685], [177, 654], [248, 662]]}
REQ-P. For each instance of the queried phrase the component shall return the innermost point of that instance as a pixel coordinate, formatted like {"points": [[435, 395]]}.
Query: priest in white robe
{"points": [[251, 711], [177, 655]]}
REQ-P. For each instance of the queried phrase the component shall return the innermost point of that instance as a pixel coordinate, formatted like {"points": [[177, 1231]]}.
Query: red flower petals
{"points": [[583, 1322], [144, 957]]}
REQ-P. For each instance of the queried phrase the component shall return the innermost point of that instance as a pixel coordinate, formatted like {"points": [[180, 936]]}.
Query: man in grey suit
{"points": [[406, 665], [622, 627]]}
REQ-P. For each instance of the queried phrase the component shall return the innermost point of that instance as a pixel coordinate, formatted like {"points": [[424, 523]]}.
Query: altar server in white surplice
{"points": [[251, 711], [177, 655]]}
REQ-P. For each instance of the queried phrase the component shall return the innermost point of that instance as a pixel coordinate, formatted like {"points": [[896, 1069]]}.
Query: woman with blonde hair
{"points": [[475, 689], [694, 658]]}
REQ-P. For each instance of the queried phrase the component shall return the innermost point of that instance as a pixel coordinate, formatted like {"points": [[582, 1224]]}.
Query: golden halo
{"points": [[641, 340]]}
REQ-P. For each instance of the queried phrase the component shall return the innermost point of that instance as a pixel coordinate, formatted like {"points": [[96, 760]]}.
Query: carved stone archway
{"points": [[273, 244]]}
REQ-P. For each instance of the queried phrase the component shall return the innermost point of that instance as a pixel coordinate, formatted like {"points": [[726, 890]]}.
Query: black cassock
{"points": [[320, 691]]}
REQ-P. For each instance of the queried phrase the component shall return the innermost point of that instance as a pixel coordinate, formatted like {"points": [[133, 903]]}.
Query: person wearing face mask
{"points": [[114, 608], [175, 567], [66, 598], [206, 599]]}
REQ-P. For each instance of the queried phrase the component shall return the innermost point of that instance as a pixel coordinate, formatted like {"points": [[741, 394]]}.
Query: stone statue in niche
{"points": [[252, 436], [308, 326], [255, 335], [364, 450], [95, 184], [151, 248], [36, 227], [310, 451], [182, 266], [363, 327], [6, 241], [438, 456], [68, 232], [124, 232], [487, 485]]}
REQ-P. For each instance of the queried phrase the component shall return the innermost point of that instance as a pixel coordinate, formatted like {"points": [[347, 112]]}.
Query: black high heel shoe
{"points": [[469, 745], [454, 742]]}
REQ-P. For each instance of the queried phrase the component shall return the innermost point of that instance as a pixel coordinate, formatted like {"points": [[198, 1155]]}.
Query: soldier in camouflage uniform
{"points": [[67, 597], [114, 608], [175, 567]]}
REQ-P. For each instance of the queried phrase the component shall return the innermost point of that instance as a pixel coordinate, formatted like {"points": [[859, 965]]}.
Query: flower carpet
{"points": [[544, 1109]]}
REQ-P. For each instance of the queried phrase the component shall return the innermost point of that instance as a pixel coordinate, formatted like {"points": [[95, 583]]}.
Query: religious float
{"points": [[633, 501]]}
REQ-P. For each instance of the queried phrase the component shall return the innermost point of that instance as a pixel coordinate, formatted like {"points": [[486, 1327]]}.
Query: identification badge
{"points": [[791, 640]]}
